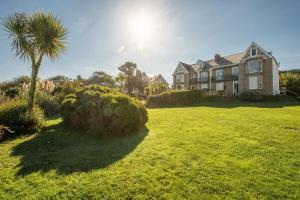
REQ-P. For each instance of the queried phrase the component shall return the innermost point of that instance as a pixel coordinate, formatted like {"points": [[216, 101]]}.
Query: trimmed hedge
{"points": [[178, 98], [15, 115], [251, 96], [103, 111]]}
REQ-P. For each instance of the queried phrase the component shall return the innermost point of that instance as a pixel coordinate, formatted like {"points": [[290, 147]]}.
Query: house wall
{"points": [[267, 74], [267, 77]]}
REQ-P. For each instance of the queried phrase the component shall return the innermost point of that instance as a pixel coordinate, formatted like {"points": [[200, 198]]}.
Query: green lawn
{"points": [[235, 151]]}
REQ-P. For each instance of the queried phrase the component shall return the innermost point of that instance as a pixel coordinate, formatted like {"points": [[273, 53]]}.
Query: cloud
{"points": [[81, 25], [178, 37], [121, 49]]}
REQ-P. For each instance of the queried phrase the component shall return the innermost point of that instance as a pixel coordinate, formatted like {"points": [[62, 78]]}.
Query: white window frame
{"points": [[220, 86], [251, 52], [249, 68], [204, 86], [235, 69], [194, 75], [259, 65], [255, 81], [260, 82], [180, 77], [219, 74], [204, 76]]}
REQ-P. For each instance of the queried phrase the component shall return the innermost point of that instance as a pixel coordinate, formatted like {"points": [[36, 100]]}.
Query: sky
{"points": [[157, 34]]}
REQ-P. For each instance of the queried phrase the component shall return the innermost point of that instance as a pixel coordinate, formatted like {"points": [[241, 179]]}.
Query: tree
{"points": [[158, 87], [101, 78], [120, 79], [129, 70], [33, 37], [59, 79], [290, 80]]}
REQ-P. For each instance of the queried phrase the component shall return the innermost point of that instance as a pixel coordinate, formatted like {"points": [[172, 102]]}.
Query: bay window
{"points": [[204, 76], [204, 86], [254, 66], [219, 74], [220, 86], [179, 77], [252, 82]]}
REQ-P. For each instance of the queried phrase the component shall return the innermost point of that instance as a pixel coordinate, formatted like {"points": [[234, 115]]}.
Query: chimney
{"points": [[217, 57]]}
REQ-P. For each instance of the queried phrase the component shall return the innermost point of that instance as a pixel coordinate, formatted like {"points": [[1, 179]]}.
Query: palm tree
{"points": [[33, 37]]}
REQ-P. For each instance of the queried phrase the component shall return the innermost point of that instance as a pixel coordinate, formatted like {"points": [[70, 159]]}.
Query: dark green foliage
{"points": [[251, 96], [103, 111], [290, 81], [12, 92], [101, 78], [175, 98], [49, 103], [15, 115]]}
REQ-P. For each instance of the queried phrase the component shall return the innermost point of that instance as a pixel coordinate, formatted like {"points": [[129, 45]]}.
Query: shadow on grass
{"points": [[63, 150]]}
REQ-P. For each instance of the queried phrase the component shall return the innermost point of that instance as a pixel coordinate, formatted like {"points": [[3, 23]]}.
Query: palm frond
{"points": [[16, 26], [49, 34]]}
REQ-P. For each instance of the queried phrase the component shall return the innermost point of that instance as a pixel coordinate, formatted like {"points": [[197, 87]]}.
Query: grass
{"points": [[232, 151]]}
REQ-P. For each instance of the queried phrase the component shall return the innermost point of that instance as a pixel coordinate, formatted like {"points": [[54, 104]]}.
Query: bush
{"points": [[12, 92], [49, 103], [251, 96], [15, 115], [175, 98], [103, 111]]}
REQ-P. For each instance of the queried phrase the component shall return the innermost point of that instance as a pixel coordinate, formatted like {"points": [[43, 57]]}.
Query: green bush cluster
{"points": [[103, 111], [49, 103], [251, 96], [175, 98], [15, 115]]}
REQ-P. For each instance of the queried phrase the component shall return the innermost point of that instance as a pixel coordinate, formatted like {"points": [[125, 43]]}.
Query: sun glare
{"points": [[142, 26]]}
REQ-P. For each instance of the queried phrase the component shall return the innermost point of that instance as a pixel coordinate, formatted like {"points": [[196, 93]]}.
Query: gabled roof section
{"points": [[226, 60], [261, 52], [181, 68]]}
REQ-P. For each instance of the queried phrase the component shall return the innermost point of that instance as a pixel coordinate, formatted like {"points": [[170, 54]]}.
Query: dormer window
{"points": [[253, 52]]}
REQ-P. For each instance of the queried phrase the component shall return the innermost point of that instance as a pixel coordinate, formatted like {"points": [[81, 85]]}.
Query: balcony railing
{"points": [[223, 78]]}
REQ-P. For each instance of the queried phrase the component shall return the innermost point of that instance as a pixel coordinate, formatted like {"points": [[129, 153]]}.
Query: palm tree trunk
{"points": [[31, 95]]}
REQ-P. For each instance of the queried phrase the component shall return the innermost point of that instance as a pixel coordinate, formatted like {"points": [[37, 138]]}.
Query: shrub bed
{"points": [[251, 96], [15, 115], [103, 111], [49, 103], [174, 98]]}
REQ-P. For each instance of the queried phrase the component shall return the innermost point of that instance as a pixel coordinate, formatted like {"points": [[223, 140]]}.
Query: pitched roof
{"points": [[226, 60], [188, 67]]}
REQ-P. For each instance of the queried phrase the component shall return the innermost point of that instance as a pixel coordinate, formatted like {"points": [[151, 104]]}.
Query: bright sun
{"points": [[142, 27]]}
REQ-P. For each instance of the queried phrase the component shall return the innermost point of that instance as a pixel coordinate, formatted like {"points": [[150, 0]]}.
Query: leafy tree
{"points": [[129, 70], [158, 87], [291, 81], [139, 82], [101, 78], [59, 79], [15, 83], [120, 80], [33, 37]]}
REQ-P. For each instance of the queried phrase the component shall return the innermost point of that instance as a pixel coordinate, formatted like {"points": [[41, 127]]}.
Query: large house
{"points": [[252, 70]]}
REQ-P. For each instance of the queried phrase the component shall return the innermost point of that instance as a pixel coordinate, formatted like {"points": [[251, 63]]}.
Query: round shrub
{"points": [[15, 115], [103, 111]]}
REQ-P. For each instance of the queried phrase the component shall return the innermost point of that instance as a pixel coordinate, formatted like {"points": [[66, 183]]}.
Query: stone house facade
{"points": [[252, 70]]}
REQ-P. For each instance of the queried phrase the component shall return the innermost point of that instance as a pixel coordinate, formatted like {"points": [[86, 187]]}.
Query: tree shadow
{"points": [[67, 151]]}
